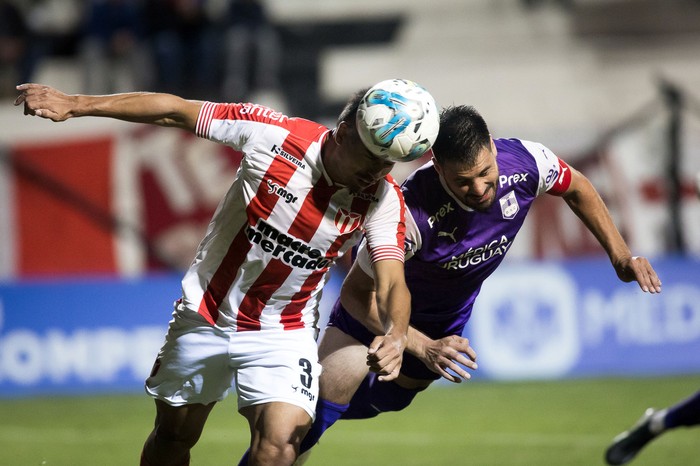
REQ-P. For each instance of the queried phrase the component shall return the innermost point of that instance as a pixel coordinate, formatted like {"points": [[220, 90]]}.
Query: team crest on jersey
{"points": [[346, 221], [509, 205]]}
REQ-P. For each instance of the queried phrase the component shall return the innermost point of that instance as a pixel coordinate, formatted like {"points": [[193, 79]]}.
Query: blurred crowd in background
{"points": [[209, 49]]}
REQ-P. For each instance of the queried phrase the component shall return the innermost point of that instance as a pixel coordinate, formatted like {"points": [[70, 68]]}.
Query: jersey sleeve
{"points": [[234, 124], [554, 173], [385, 227], [412, 244]]}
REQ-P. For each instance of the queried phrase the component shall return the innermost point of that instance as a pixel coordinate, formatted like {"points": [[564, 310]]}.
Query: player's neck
{"points": [[328, 154]]}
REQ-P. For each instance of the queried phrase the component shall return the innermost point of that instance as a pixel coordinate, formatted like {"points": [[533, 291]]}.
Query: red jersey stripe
{"points": [[276, 272], [401, 232], [259, 293], [260, 207], [291, 316], [312, 211], [387, 253], [218, 286]]}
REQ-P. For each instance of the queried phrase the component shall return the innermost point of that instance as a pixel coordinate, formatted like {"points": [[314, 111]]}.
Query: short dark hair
{"points": [[463, 134], [349, 112]]}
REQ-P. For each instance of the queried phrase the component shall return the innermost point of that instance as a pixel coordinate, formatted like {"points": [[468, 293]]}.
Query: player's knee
{"points": [[270, 452], [174, 438], [374, 397], [388, 396], [175, 441]]}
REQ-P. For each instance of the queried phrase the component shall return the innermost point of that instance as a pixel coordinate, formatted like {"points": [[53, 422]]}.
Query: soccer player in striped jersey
{"points": [[303, 196], [464, 209]]}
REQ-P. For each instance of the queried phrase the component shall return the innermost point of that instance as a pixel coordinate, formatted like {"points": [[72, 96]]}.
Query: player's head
{"points": [[465, 157], [349, 162]]}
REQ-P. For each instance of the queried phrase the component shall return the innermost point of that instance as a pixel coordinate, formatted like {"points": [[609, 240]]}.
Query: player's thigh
{"points": [[181, 423], [277, 367], [344, 362], [193, 366]]}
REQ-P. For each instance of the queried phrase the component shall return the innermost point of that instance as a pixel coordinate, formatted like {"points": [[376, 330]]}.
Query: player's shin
{"points": [[327, 413]]}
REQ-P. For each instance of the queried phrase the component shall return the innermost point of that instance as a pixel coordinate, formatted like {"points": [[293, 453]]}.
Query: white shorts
{"points": [[199, 364]]}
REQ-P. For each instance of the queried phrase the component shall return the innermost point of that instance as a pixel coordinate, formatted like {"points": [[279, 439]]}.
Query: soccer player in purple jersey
{"points": [[652, 424], [464, 209]]}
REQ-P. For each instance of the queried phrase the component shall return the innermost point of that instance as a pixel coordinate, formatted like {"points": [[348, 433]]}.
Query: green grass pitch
{"points": [[476, 423]]}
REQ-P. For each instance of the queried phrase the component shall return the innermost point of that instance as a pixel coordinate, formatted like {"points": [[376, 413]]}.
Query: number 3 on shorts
{"points": [[306, 376]]}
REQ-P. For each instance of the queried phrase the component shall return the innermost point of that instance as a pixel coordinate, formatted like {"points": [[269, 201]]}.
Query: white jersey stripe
{"points": [[204, 119], [282, 225]]}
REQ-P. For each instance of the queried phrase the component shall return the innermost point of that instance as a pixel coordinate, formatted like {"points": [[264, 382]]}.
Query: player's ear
{"points": [[437, 166], [341, 132]]}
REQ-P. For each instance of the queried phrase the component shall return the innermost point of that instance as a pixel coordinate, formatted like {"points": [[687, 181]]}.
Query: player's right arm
{"points": [[560, 179], [583, 199], [139, 107]]}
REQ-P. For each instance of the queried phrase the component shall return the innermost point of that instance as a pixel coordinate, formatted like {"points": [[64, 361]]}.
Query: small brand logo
{"points": [[449, 235], [274, 188]]}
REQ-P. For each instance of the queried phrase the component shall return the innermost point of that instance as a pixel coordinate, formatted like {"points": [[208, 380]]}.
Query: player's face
{"points": [[356, 167], [475, 186]]}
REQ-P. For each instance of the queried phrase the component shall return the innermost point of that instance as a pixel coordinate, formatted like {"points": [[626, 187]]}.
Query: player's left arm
{"points": [[137, 107], [441, 356], [393, 301], [583, 199]]}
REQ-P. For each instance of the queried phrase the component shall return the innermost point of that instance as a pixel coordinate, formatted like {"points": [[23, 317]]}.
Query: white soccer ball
{"points": [[398, 120]]}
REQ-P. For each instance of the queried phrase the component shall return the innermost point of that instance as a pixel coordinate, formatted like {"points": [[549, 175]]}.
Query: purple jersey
{"points": [[457, 248], [452, 249]]}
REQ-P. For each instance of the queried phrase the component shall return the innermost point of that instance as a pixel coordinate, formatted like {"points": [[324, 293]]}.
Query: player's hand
{"points": [[45, 102], [640, 270], [447, 353], [385, 355]]}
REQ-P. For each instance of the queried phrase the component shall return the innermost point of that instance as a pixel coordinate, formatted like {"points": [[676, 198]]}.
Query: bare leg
{"points": [[344, 362], [276, 430], [176, 431]]}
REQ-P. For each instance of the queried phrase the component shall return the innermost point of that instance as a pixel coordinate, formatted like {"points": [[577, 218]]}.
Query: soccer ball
{"points": [[398, 120]]}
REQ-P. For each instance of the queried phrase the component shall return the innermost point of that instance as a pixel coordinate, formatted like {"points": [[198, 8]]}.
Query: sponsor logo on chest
{"points": [[508, 180], [286, 248], [440, 214], [277, 150], [281, 191]]}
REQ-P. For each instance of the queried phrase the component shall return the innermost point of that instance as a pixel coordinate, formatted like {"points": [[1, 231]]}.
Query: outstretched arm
{"points": [[139, 107], [585, 202]]}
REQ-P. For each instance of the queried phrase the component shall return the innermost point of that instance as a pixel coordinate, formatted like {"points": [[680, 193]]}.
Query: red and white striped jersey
{"points": [[282, 224]]}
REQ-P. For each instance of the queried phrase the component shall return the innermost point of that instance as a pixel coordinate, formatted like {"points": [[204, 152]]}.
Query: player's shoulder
{"points": [[422, 183], [248, 111], [423, 192], [516, 153]]}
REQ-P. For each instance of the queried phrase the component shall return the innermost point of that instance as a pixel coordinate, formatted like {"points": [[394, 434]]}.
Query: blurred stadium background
{"points": [[98, 218]]}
